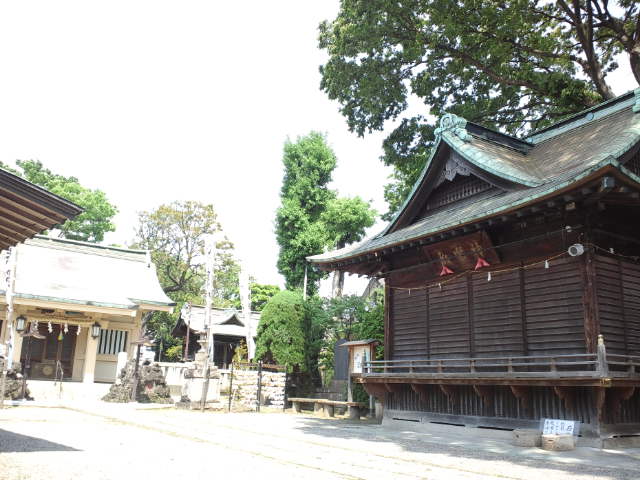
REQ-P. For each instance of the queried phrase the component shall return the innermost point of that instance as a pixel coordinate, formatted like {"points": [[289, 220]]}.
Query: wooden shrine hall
{"points": [[512, 278]]}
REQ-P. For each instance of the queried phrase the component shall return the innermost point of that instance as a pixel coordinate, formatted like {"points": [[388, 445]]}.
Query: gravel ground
{"points": [[122, 442]]}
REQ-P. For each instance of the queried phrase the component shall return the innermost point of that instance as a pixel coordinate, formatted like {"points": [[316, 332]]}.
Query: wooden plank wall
{"points": [[519, 312], [408, 314], [554, 308], [618, 292], [449, 320], [465, 402]]}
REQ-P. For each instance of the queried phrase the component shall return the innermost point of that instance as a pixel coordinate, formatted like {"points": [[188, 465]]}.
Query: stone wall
{"points": [[245, 388]]}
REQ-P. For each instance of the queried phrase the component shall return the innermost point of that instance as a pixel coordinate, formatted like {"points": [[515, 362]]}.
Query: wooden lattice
{"points": [[634, 164], [457, 189]]}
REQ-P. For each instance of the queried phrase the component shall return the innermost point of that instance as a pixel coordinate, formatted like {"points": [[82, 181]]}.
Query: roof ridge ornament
{"points": [[636, 106], [454, 124]]}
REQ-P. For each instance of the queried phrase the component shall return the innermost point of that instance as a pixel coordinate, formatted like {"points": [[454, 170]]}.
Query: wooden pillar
{"points": [[388, 338], [590, 301]]}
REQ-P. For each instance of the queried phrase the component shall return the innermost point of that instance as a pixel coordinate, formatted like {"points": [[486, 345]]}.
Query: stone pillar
{"points": [[17, 345], [90, 353]]}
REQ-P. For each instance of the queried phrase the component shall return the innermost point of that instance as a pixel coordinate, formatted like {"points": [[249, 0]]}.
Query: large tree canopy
{"points": [[90, 225], [512, 65], [175, 235], [311, 216]]}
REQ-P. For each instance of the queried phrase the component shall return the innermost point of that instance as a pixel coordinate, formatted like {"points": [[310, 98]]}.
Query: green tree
{"points": [[354, 318], [311, 216], [291, 332], [92, 224], [261, 294], [308, 165], [175, 235], [502, 64], [281, 331], [345, 221]]}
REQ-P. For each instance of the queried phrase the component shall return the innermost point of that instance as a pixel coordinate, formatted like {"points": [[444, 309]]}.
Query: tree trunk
{"points": [[634, 61], [338, 279], [337, 284]]}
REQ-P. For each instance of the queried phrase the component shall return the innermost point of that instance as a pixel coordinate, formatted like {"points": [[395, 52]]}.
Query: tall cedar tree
{"points": [[311, 216], [511, 65]]}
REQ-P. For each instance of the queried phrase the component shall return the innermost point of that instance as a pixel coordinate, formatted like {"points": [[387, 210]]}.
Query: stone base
{"points": [[526, 437], [558, 443]]}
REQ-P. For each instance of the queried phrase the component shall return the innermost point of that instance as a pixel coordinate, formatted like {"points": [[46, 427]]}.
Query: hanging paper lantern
{"points": [[546, 264], [78, 330], [49, 327], [481, 263], [66, 328], [445, 271], [489, 277]]}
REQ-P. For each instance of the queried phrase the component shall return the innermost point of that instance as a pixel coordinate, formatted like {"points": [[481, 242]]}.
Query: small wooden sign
{"points": [[462, 253], [551, 426]]}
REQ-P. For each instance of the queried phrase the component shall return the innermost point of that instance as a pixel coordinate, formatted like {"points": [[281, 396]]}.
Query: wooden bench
{"points": [[328, 406]]}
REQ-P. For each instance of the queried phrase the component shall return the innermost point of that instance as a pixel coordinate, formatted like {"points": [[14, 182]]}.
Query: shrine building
{"points": [[512, 278]]}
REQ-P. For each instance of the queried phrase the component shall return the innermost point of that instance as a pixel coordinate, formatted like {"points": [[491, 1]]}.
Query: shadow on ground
{"points": [[451, 445], [14, 442]]}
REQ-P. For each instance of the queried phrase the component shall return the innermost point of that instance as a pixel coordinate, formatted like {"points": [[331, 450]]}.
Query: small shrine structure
{"points": [[229, 329], [512, 278]]}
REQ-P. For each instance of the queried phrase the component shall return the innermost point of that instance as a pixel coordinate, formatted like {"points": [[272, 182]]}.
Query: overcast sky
{"points": [[155, 101]]}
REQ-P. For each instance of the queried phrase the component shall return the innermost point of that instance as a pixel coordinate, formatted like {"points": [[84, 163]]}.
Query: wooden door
{"points": [[57, 346]]}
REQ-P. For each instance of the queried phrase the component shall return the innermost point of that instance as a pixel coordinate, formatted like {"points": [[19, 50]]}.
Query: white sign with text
{"points": [[558, 427]]}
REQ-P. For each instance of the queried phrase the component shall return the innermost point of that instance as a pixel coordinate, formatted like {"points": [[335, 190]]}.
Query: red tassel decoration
{"points": [[445, 271], [481, 263]]}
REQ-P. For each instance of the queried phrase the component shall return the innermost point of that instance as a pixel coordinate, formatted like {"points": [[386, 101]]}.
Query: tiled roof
{"points": [[556, 160]]}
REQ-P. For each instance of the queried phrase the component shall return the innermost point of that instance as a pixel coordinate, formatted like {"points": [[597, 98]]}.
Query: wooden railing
{"points": [[533, 365], [577, 365]]}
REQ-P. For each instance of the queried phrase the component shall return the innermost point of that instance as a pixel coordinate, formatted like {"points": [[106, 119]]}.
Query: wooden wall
{"points": [[618, 293], [543, 403], [519, 312]]}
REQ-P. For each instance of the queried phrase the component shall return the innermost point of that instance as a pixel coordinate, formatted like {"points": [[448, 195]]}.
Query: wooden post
{"points": [[259, 392], [388, 336], [603, 366], [231, 387], [590, 301]]}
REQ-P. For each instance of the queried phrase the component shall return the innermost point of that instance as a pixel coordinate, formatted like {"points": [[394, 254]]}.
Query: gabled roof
{"points": [[66, 271], [544, 164], [224, 321]]}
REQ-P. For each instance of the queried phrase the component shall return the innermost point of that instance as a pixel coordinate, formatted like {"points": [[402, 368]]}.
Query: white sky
{"points": [[154, 101]]}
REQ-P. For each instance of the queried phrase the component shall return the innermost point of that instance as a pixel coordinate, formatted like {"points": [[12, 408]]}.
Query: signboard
{"points": [[360, 357], [559, 427]]}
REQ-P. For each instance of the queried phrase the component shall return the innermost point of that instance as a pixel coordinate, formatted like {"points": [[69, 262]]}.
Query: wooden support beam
{"points": [[599, 397], [450, 392], [421, 389], [393, 387], [568, 396], [485, 392], [376, 390], [617, 395], [523, 394]]}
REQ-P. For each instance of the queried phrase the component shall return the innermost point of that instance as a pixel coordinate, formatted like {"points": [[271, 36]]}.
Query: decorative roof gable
{"points": [[548, 162]]}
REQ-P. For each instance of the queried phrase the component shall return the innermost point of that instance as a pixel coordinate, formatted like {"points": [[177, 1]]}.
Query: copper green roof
{"points": [[557, 158]]}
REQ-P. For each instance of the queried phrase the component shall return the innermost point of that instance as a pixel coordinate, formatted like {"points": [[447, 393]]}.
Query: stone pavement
{"points": [[124, 441]]}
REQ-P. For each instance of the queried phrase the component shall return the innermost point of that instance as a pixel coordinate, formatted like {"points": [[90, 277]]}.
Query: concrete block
{"points": [[523, 437]]}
